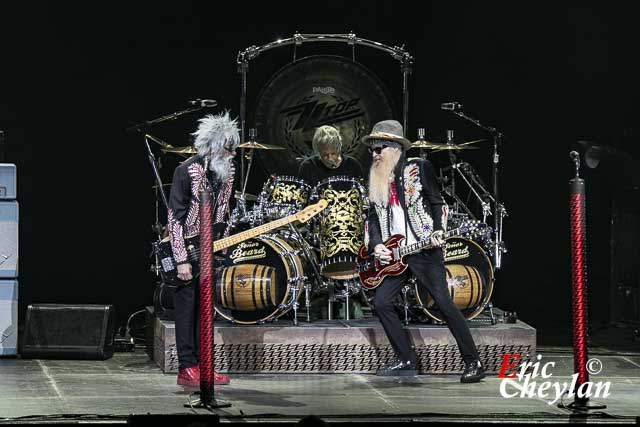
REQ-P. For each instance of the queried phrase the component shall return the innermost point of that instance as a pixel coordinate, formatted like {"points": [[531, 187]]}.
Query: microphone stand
{"points": [[144, 126], [499, 210]]}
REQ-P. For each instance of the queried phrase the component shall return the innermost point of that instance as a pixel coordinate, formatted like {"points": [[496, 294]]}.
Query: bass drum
{"points": [[258, 283], [469, 279]]}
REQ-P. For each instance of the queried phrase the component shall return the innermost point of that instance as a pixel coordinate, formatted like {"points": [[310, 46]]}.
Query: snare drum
{"points": [[340, 226]]}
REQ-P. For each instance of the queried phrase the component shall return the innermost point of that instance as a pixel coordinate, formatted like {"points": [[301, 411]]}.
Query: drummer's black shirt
{"points": [[313, 170]]}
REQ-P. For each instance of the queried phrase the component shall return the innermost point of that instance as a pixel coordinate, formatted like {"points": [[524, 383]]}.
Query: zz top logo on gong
{"points": [[315, 113]]}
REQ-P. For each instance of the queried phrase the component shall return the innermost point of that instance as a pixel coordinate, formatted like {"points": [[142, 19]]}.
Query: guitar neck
{"points": [[426, 244], [221, 244]]}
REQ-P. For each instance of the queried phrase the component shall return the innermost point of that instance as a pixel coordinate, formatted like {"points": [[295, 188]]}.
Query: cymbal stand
{"points": [[421, 137], [242, 202], [316, 274], [499, 211], [452, 159], [405, 304], [241, 205], [486, 207], [159, 187]]}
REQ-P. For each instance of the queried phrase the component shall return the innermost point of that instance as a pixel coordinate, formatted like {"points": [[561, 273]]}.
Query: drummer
{"points": [[328, 159]]}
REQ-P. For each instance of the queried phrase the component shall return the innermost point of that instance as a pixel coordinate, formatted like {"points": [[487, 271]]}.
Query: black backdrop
{"points": [[72, 78]]}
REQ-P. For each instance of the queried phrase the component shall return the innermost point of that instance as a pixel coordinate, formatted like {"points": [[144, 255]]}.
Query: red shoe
{"points": [[219, 379], [189, 377]]}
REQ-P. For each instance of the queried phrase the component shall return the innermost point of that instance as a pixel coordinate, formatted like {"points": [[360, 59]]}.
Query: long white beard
{"points": [[380, 176], [221, 167]]}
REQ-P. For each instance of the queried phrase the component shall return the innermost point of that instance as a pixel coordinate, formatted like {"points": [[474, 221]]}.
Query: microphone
{"points": [[203, 103], [575, 157], [451, 106]]}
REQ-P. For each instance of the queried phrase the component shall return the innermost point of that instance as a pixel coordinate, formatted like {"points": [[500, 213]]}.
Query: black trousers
{"points": [[186, 301], [428, 267]]}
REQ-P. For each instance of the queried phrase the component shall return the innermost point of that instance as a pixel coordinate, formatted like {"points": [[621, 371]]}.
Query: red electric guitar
{"points": [[372, 272]]}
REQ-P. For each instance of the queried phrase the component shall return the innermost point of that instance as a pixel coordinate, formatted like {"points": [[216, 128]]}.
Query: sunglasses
{"points": [[377, 149], [230, 148]]}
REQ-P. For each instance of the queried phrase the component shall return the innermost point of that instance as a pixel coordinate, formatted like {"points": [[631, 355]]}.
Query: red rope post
{"points": [[578, 279], [578, 229], [206, 297]]}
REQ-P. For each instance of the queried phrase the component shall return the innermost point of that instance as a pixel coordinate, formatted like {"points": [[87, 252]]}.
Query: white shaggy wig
{"points": [[214, 132]]}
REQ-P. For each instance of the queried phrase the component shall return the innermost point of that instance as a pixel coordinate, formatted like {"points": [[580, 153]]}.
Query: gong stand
{"points": [[397, 53]]}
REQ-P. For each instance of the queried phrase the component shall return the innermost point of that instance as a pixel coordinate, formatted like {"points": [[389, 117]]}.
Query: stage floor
{"points": [[37, 391]]}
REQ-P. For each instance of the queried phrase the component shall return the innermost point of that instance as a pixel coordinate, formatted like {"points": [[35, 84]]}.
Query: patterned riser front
{"points": [[357, 347]]}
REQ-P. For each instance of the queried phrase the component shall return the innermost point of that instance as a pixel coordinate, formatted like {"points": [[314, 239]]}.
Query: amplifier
{"points": [[73, 331], [8, 239], [8, 189], [8, 317]]}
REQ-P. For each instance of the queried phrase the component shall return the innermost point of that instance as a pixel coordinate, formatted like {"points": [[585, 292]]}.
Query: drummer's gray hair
{"points": [[327, 135], [213, 132]]}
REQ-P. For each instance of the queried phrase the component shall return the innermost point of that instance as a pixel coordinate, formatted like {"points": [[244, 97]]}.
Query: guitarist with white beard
{"points": [[405, 199], [216, 141]]}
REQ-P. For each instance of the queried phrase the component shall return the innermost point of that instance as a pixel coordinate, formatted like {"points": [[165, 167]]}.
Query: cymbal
{"points": [[158, 141], [257, 145], [179, 150], [422, 143], [247, 196], [441, 147]]}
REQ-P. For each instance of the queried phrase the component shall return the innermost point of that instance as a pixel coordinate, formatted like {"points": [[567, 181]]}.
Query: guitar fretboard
{"points": [[424, 244], [219, 245]]}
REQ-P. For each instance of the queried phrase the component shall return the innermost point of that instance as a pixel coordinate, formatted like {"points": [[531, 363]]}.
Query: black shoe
{"points": [[473, 372], [398, 368]]}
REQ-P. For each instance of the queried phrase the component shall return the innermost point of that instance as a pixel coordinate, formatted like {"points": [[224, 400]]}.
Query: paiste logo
{"points": [[324, 90], [521, 383]]}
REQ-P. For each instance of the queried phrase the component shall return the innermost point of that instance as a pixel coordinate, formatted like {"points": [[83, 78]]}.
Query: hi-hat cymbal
{"points": [[257, 145], [247, 196], [179, 150]]}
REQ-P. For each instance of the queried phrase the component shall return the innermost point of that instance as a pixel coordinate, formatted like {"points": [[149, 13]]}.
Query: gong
{"points": [[315, 91]]}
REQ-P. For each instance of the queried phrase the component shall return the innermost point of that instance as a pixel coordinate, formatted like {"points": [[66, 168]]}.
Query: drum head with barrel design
{"points": [[258, 280], [311, 92], [469, 278]]}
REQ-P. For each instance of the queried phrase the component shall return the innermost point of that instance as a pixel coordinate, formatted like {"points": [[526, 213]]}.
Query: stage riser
{"points": [[340, 348]]}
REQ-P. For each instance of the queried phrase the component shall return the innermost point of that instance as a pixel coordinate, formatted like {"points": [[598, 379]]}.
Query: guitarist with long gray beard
{"points": [[405, 199], [216, 141]]}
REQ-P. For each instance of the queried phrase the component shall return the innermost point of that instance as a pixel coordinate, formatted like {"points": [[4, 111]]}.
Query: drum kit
{"points": [[263, 278]]}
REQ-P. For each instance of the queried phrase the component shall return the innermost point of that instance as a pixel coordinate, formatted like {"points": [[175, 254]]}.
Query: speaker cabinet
{"points": [[8, 239], [625, 253], [67, 331], [8, 188], [8, 317]]}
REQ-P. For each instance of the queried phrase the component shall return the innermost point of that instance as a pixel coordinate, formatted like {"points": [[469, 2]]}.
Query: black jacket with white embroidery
{"points": [[420, 198]]}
